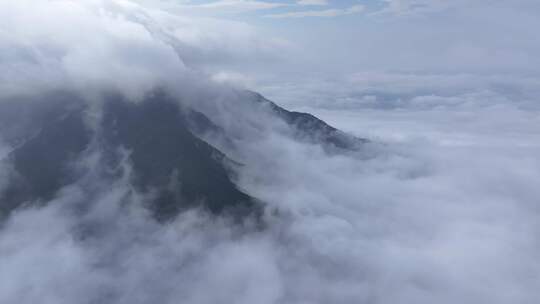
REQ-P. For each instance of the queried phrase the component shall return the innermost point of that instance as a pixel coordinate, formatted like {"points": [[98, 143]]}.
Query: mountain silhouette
{"points": [[169, 161]]}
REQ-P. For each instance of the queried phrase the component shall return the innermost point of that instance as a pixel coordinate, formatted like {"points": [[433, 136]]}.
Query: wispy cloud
{"points": [[312, 2], [410, 7], [239, 5], [320, 13]]}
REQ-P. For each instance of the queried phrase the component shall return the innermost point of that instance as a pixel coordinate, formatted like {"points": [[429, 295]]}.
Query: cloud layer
{"points": [[320, 13], [441, 207]]}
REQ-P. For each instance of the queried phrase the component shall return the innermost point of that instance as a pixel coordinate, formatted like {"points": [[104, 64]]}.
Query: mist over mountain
{"points": [[157, 135], [163, 152]]}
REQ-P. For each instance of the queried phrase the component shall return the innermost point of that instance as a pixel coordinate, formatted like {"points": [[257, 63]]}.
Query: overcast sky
{"points": [[424, 35], [268, 45]]}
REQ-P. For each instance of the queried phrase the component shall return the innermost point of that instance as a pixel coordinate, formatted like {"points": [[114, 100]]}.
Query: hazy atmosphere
{"points": [[160, 151]]}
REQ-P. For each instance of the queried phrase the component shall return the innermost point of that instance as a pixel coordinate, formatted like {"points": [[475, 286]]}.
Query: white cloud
{"points": [[445, 212], [408, 90], [320, 13], [30, 55], [408, 7], [141, 47], [423, 218], [236, 6], [423, 7], [233, 78], [312, 2]]}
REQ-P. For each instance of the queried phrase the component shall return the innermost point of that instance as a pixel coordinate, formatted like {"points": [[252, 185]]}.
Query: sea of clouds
{"points": [[442, 207]]}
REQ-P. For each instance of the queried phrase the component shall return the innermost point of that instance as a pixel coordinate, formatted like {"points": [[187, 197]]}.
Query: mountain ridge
{"points": [[169, 158]]}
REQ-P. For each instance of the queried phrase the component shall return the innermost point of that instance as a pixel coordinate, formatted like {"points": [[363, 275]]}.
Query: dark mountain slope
{"points": [[43, 163], [23, 117], [309, 128], [168, 161]]}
